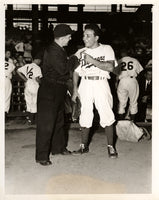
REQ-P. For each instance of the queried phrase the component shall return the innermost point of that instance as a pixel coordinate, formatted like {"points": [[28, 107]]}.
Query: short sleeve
{"points": [[38, 72], [13, 67], [78, 69], [22, 70], [139, 67]]}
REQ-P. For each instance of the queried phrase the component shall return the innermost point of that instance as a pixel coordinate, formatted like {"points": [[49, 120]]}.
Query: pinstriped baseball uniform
{"points": [[128, 86]]}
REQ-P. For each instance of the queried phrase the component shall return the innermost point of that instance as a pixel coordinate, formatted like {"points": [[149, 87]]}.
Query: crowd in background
{"points": [[23, 47]]}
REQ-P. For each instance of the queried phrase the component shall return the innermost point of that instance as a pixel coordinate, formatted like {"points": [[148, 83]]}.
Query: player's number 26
{"points": [[128, 65]]}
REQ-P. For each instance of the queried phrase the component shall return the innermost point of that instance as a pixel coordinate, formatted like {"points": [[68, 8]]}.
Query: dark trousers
{"points": [[141, 115], [50, 134]]}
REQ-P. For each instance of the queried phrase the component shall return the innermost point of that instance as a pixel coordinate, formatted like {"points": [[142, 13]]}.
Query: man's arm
{"points": [[103, 65], [75, 86], [22, 76], [72, 62], [38, 79]]}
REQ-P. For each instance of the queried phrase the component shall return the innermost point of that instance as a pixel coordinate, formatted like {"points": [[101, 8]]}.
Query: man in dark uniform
{"points": [[50, 136]]}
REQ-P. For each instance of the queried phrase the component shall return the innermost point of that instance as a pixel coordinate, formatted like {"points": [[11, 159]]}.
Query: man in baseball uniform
{"points": [[128, 85], [97, 60], [31, 74], [9, 69]]}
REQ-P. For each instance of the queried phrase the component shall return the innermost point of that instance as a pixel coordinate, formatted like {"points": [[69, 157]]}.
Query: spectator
{"points": [[19, 47], [28, 51], [145, 95], [149, 64], [20, 62]]}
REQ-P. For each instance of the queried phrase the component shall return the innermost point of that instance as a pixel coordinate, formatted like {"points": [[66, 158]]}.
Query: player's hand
{"points": [[79, 53], [88, 58], [75, 95]]}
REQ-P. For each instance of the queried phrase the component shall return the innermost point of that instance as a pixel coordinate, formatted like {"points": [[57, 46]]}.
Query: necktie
{"points": [[148, 85]]}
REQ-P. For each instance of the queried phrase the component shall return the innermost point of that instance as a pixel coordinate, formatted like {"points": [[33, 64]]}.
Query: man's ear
{"points": [[62, 39], [97, 37]]}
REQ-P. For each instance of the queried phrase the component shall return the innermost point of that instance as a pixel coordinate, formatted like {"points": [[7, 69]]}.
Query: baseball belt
{"points": [[94, 77]]}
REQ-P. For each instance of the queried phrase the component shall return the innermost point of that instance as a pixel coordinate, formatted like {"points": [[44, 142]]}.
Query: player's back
{"points": [[130, 67], [9, 68], [31, 71]]}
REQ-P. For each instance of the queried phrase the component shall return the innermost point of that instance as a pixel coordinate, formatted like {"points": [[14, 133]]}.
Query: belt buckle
{"points": [[94, 78]]}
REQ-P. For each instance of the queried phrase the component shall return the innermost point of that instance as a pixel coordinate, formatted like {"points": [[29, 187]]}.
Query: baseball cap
{"points": [[62, 30]]}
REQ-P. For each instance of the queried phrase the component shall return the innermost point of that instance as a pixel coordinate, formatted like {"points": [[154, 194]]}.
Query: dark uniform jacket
{"points": [[56, 65]]}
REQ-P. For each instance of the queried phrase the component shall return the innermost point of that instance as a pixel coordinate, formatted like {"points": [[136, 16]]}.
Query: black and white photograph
{"points": [[79, 102]]}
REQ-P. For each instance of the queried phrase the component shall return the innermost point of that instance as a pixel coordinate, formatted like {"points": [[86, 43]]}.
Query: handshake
{"points": [[79, 53], [83, 57]]}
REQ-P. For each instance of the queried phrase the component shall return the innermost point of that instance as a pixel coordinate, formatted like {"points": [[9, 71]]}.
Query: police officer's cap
{"points": [[62, 30]]}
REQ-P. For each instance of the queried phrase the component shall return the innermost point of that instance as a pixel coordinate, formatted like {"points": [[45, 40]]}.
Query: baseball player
{"points": [[128, 85], [97, 60], [31, 74], [9, 70], [8, 56]]}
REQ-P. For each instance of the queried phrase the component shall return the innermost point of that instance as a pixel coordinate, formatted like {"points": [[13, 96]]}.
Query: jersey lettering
{"points": [[29, 72], [6, 66], [101, 58], [83, 63], [127, 66]]}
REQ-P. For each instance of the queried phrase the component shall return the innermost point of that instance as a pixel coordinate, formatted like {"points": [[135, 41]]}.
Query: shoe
{"points": [[112, 152], [44, 162], [66, 152], [29, 122], [55, 153], [81, 150], [146, 135]]}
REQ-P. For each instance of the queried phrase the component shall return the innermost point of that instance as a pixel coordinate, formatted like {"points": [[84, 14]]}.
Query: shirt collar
{"points": [[58, 46]]}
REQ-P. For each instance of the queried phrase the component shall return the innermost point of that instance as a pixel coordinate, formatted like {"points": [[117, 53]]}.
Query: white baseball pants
{"points": [[8, 91], [30, 92], [128, 88], [97, 92]]}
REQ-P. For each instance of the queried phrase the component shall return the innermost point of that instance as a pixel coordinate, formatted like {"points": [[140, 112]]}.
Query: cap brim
{"points": [[72, 32]]}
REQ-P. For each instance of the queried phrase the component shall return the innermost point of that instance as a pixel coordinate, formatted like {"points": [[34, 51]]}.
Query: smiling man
{"points": [[97, 60]]}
